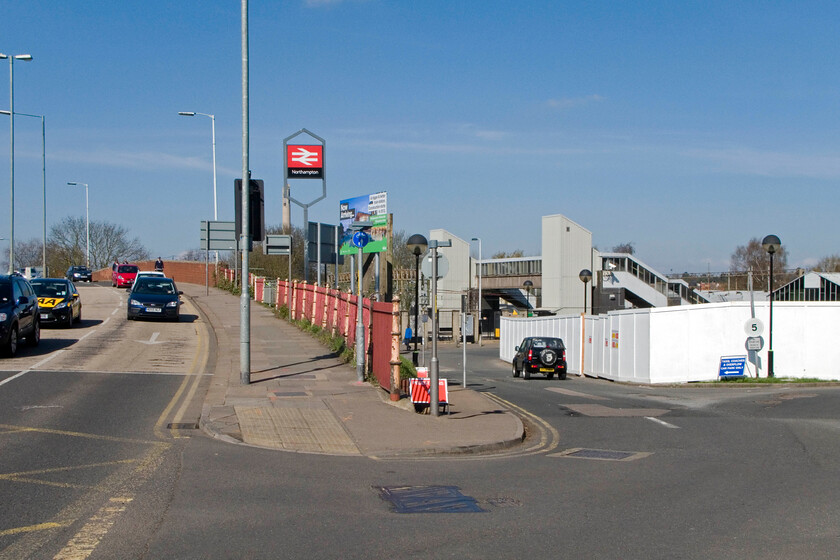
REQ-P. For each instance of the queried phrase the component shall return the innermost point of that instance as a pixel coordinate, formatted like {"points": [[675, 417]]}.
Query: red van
{"points": [[122, 275]]}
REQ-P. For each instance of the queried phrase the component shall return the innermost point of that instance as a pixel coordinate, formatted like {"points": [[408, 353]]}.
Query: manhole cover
{"points": [[428, 499], [601, 454]]}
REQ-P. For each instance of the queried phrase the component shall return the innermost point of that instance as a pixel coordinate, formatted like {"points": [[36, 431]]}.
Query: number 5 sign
{"points": [[754, 327]]}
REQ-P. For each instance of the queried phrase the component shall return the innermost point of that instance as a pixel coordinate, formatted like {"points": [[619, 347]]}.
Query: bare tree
{"points": [[67, 244], [828, 264], [625, 248], [753, 257], [515, 254]]}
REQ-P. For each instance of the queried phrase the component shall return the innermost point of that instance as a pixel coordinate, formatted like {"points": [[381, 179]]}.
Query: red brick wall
{"points": [[180, 271]]}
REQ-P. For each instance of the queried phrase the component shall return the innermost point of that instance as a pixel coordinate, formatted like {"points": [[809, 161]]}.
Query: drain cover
{"points": [[428, 499], [182, 426], [289, 394], [601, 454]]}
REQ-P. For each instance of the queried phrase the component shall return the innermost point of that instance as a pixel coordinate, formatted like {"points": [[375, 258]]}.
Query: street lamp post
{"points": [[479, 289], [771, 244], [527, 284], [43, 182], [87, 221], [12, 58], [417, 245], [213, 138], [585, 276]]}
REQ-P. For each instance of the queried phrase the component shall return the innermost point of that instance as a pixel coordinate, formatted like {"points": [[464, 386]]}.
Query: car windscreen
{"points": [[154, 286], [50, 289], [127, 269]]}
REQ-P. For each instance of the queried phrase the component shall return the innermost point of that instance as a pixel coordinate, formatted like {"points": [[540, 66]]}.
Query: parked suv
{"points": [[79, 274], [540, 354], [19, 314]]}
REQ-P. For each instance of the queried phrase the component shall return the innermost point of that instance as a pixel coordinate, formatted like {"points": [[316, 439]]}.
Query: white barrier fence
{"points": [[686, 343]]}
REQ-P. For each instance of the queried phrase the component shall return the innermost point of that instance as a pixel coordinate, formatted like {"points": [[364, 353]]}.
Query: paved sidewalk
{"points": [[303, 399]]}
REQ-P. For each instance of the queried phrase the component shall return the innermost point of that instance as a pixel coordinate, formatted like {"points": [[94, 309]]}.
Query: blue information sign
{"points": [[360, 239], [732, 366]]}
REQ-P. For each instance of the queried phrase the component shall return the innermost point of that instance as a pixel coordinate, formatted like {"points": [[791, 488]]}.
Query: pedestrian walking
{"points": [[408, 338]]}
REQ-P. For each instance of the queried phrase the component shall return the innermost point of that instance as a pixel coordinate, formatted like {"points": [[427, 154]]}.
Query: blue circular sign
{"points": [[360, 239]]}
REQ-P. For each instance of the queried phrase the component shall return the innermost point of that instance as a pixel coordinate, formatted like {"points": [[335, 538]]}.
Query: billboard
{"points": [[371, 207]]}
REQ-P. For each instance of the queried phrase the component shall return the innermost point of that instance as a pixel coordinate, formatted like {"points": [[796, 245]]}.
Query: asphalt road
{"points": [[608, 470]]}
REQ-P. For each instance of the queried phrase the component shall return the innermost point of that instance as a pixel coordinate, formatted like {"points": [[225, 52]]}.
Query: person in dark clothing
{"points": [[159, 265]]}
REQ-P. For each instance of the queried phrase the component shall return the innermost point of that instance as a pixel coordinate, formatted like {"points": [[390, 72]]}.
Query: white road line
{"points": [[47, 359], [102, 324], [661, 422], [15, 376]]}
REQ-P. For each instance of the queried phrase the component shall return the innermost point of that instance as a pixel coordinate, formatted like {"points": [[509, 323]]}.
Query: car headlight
{"points": [[135, 303], [172, 304], [61, 305], [3, 316]]}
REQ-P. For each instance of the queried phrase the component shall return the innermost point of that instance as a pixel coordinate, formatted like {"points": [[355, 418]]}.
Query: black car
{"points": [[79, 274], [58, 300], [154, 297], [540, 354], [19, 314]]}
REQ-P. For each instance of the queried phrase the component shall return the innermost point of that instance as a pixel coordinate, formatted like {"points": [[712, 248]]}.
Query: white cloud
{"points": [[770, 163], [569, 102]]}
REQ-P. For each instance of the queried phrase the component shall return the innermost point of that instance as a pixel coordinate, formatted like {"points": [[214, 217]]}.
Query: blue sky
{"points": [[686, 128]]}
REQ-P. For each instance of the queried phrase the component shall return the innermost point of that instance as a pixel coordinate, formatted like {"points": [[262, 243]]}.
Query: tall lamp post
{"points": [[43, 182], [771, 244], [87, 221], [585, 276], [417, 245], [213, 138], [527, 284], [479, 288], [12, 58]]}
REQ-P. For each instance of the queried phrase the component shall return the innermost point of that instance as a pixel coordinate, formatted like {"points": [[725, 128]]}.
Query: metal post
{"points": [[87, 225], [464, 344], [416, 306], [433, 370], [12, 163], [245, 304], [44, 193], [478, 327], [360, 328], [770, 371]]}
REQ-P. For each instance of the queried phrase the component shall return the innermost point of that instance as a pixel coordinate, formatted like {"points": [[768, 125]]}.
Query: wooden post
{"points": [[395, 350]]}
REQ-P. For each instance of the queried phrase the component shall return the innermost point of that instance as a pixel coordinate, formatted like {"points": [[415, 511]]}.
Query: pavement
{"points": [[302, 398]]}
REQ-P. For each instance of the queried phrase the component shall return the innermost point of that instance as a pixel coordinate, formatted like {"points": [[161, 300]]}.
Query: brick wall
{"points": [[181, 271]]}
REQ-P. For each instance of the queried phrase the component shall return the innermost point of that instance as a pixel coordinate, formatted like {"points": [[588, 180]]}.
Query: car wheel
{"points": [[34, 338], [562, 375], [12, 345], [515, 371], [69, 322], [525, 373], [79, 317]]}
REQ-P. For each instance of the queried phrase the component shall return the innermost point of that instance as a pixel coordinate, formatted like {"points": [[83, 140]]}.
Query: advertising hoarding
{"points": [[371, 207]]}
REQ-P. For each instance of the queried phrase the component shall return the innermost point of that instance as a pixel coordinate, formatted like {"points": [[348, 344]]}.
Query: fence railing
{"points": [[336, 311]]}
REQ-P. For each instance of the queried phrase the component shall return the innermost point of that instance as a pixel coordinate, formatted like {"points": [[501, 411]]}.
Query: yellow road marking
{"points": [[549, 437], [27, 476], [87, 539], [30, 529], [10, 429]]}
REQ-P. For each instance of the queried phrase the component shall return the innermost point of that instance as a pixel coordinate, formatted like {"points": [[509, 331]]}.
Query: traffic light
{"points": [[256, 209]]}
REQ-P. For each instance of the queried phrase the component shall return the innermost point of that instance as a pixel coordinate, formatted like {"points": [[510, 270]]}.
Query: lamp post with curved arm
{"points": [[771, 244], [417, 245], [12, 58]]}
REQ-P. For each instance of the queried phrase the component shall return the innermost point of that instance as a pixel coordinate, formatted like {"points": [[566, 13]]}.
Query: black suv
{"points": [[19, 314], [79, 274], [540, 354]]}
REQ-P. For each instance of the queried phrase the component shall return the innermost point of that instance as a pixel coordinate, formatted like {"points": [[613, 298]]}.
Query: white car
{"points": [[148, 273]]}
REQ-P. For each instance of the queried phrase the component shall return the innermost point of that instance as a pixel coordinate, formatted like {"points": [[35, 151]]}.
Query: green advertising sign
{"points": [[372, 208]]}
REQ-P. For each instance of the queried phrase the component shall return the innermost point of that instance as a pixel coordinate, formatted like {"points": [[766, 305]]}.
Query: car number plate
{"points": [[153, 310], [44, 316], [546, 369]]}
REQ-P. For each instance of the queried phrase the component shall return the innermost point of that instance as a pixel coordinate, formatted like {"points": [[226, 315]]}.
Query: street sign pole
{"points": [[434, 392]]}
